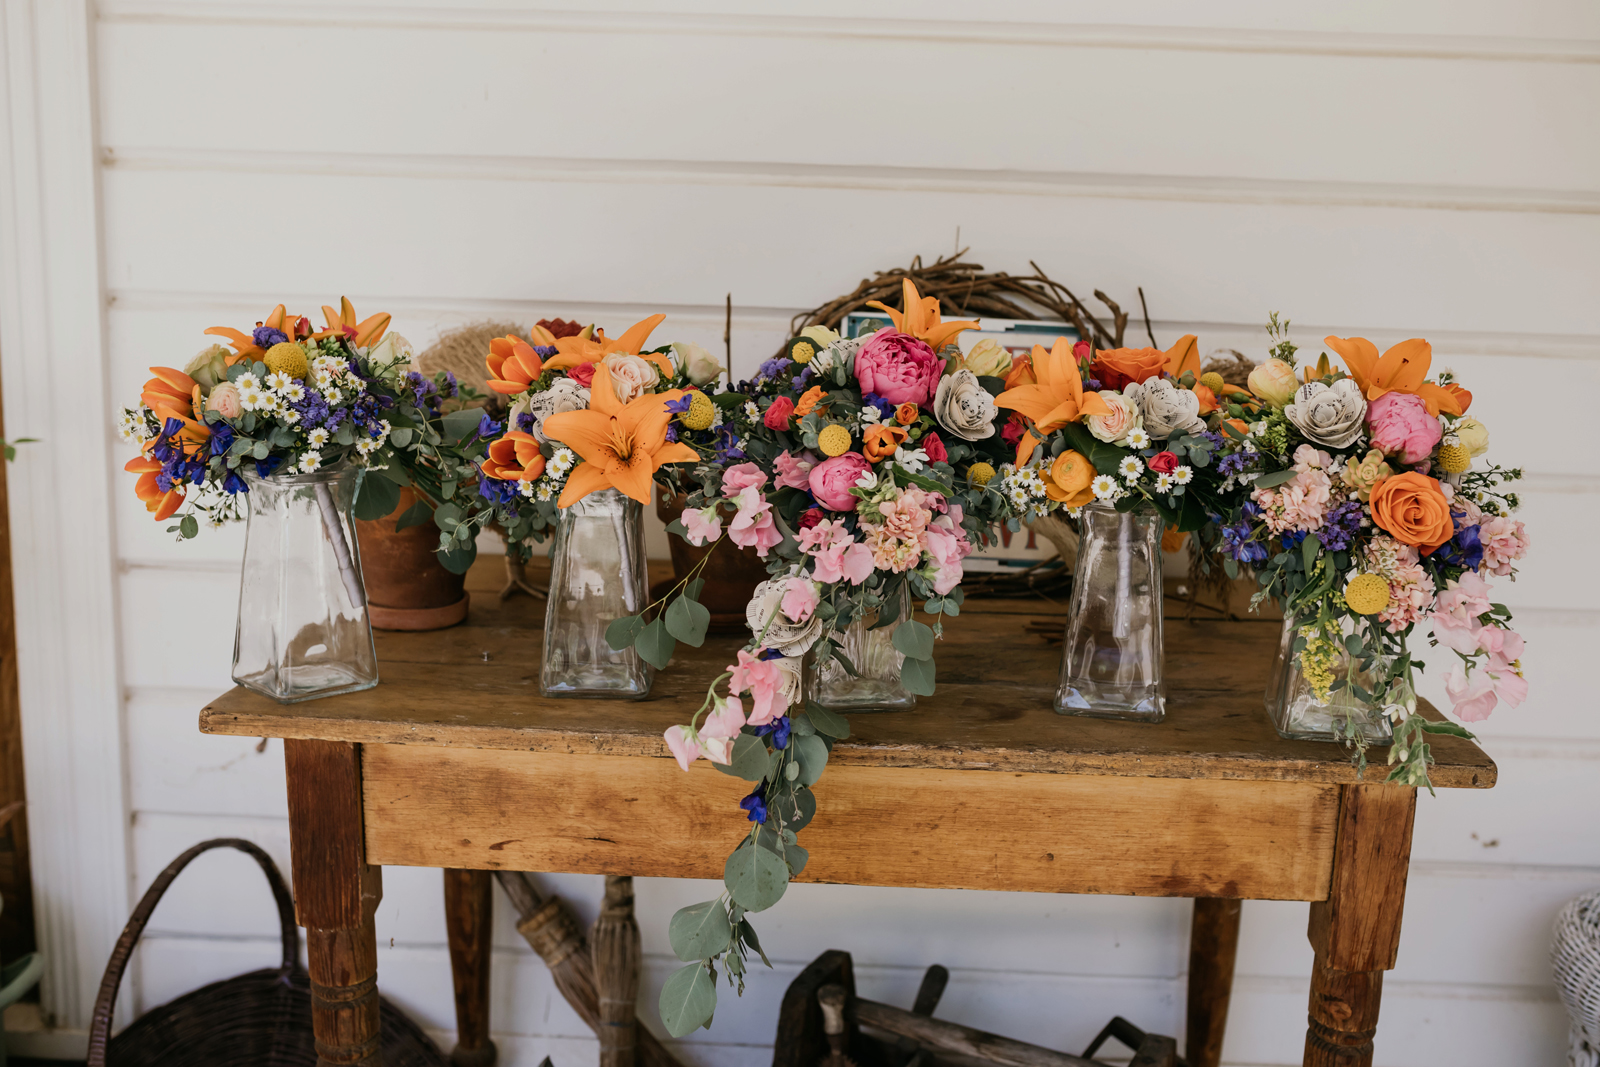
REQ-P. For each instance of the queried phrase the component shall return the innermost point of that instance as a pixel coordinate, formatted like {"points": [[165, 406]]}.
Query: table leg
{"points": [[1213, 945], [336, 894], [1356, 931], [469, 921]]}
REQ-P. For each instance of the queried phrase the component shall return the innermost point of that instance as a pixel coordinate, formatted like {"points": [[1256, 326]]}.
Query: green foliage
{"points": [[376, 498], [688, 1000], [811, 756], [687, 619], [655, 644], [624, 631], [700, 931], [755, 877]]}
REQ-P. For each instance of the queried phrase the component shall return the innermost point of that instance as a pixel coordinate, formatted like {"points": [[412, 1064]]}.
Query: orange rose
{"points": [[1070, 476], [1121, 366], [879, 442], [906, 414], [1021, 372], [808, 401], [1413, 510]]}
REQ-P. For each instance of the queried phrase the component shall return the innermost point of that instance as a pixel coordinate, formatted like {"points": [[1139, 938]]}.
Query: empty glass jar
{"points": [[1299, 715], [597, 575], [876, 685], [303, 630], [1111, 665]]}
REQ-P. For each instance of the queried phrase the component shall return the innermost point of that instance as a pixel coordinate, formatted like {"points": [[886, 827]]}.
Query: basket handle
{"points": [[100, 1027]]}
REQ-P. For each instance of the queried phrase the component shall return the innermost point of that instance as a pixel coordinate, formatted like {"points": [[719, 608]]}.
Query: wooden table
{"points": [[455, 761]]}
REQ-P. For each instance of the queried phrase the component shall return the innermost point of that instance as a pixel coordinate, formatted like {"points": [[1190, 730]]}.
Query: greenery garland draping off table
{"points": [[454, 761]]}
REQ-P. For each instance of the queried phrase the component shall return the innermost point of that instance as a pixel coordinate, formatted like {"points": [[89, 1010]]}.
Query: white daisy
{"points": [[562, 461], [357, 385], [366, 446], [1183, 475], [1163, 483], [1073, 513], [294, 392], [751, 412], [1131, 467], [383, 424], [317, 437], [324, 380], [289, 416], [251, 398], [1138, 438], [1105, 487], [310, 461], [131, 426], [545, 492], [278, 381], [333, 397]]}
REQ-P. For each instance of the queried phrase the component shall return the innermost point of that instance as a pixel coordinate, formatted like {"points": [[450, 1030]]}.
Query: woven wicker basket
{"points": [[1575, 958], [260, 1019]]}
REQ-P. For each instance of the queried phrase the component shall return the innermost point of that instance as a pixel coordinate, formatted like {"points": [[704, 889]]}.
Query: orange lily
{"points": [[1184, 356], [1317, 371], [514, 457], [920, 318], [513, 363], [1402, 369], [1463, 396], [172, 394], [1055, 400], [148, 490], [575, 351], [622, 445], [244, 344], [362, 334]]}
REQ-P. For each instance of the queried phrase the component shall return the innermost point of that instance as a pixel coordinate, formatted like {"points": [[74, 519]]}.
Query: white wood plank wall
{"points": [[1391, 169]]}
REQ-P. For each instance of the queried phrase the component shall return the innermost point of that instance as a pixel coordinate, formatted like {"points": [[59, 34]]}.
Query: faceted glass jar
{"points": [[1111, 665], [303, 630], [876, 685], [597, 575], [1298, 715]]}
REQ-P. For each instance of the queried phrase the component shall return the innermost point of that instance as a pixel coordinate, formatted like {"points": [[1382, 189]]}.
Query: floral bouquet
{"points": [[1365, 516]]}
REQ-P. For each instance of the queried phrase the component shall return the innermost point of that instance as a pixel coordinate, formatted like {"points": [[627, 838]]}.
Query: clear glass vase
{"points": [[597, 575], [876, 685], [303, 630], [1299, 715], [1111, 665]]}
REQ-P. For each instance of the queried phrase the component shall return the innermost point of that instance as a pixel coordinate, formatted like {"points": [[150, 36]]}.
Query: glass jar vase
{"points": [[1111, 663], [303, 630], [1299, 715], [876, 685], [597, 575]]}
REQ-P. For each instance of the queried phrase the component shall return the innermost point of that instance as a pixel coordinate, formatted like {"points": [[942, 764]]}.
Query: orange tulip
{"points": [[361, 334], [513, 364], [244, 344], [580, 349], [148, 489], [1402, 369], [622, 445], [920, 318], [1057, 399], [514, 457], [879, 441]]}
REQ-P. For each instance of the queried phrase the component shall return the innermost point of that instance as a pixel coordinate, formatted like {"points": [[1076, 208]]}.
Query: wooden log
{"points": [[469, 923], [1213, 946], [962, 1040], [614, 946]]}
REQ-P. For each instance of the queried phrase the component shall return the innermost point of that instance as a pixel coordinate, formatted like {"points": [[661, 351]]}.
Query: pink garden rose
{"points": [[794, 471], [832, 479], [898, 367], [224, 400], [738, 477], [1399, 422]]}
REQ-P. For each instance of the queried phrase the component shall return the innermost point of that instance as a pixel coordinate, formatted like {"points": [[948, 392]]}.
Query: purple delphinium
{"points": [[1237, 462], [487, 428], [1465, 549], [1339, 529], [776, 731], [1236, 542], [525, 421], [756, 805], [498, 491], [681, 405]]}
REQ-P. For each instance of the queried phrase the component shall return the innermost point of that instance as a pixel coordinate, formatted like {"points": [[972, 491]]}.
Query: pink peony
{"points": [[777, 416], [701, 525], [752, 524], [794, 471], [1399, 422], [832, 479], [799, 598], [742, 476], [764, 680], [898, 367]]}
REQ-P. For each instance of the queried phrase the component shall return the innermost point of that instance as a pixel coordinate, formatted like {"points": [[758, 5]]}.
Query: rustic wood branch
{"points": [[962, 1040], [1146, 309], [614, 944]]}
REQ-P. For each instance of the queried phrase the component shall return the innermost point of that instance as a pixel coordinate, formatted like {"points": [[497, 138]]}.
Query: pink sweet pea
{"points": [[799, 598], [701, 525], [1477, 694], [752, 524], [1458, 634], [794, 471], [948, 545], [740, 477], [1465, 598], [725, 720], [687, 746], [764, 680], [822, 535]]}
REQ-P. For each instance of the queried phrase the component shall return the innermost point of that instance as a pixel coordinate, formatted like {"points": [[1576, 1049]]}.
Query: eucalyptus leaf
{"points": [[748, 760], [915, 639], [461, 424], [656, 645], [447, 517], [796, 858], [805, 801], [747, 934], [687, 621], [459, 558], [401, 437], [828, 722], [811, 754], [688, 1000], [623, 632], [700, 931], [755, 877], [376, 498], [1267, 481], [189, 527], [917, 676], [396, 474]]}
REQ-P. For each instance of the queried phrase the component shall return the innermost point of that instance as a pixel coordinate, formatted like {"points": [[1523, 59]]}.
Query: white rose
{"points": [[631, 376], [964, 407], [789, 638], [394, 350], [987, 359], [1330, 415], [1125, 417], [1167, 409], [564, 395], [209, 367], [701, 366]]}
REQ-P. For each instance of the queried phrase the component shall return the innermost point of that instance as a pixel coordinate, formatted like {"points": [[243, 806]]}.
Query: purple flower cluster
{"points": [[1340, 527], [266, 336], [177, 466], [498, 492], [681, 405], [773, 367], [1236, 462]]}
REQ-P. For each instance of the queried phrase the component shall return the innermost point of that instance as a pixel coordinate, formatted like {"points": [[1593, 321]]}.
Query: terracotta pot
{"points": [[731, 576], [407, 588]]}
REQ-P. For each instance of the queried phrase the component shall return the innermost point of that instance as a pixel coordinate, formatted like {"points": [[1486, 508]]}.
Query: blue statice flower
{"points": [[313, 409], [423, 390], [545, 351], [1212, 437], [672, 433], [487, 428], [266, 337], [756, 805], [681, 405], [776, 731], [773, 367], [802, 378], [1236, 542], [1342, 525]]}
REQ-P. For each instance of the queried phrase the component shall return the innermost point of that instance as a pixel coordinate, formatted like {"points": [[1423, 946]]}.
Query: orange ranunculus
{"points": [[148, 489], [1184, 356], [583, 348], [622, 445], [1021, 372], [1055, 400], [1208, 399], [1463, 396], [514, 457], [244, 344], [808, 401], [920, 318], [879, 441], [1413, 509], [1069, 480], [361, 334], [906, 414], [1402, 369], [513, 364]]}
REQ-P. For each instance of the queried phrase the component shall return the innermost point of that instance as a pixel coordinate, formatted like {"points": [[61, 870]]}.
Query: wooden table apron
{"points": [[455, 762]]}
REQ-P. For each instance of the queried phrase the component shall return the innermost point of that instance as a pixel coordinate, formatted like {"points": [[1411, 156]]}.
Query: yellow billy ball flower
{"points": [[980, 473], [1367, 594], [286, 357], [802, 349], [1454, 459], [1213, 381], [701, 414], [834, 440]]}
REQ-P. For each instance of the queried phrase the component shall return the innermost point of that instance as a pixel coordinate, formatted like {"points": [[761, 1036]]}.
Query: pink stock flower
{"points": [[741, 477], [832, 479], [1410, 586], [701, 525], [1400, 423], [907, 516], [794, 471], [1300, 504], [764, 680], [752, 524], [1504, 540], [898, 367], [799, 598]]}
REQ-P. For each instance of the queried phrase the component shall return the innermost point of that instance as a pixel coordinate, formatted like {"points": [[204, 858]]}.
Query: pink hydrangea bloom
{"points": [[752, 524], [701, 525], [742, 476], [794, 471]]}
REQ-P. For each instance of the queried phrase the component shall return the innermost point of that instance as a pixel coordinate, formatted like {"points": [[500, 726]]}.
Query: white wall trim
{"points": [[53, 353]]}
